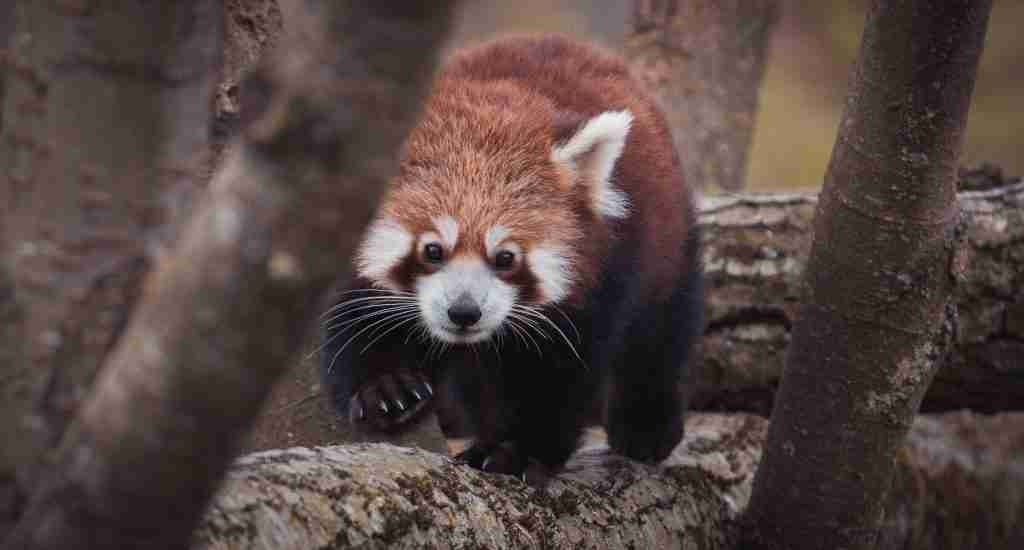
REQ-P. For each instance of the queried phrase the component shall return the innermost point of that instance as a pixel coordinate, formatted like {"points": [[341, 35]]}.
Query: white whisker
{"points": [[356, 335], [364, 307], [388, 331], [371, 315], [540, 316]]}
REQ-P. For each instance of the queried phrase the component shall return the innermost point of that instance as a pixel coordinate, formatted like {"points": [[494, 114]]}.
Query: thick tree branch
{"points": [[192, 369], [959, 489], [756, 249], [878, 312]]}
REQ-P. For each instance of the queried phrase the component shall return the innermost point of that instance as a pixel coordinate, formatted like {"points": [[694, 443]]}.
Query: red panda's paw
{"points": [[390, 400], [645, 441], [505, 458]]}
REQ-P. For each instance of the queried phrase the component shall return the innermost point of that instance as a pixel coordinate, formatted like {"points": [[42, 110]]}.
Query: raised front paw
{"points": [[390, 400]]}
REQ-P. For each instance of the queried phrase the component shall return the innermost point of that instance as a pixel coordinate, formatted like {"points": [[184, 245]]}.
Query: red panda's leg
{"points": [[646, 398]]}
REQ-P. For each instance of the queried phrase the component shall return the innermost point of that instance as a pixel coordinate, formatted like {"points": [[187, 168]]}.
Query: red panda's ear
{"points": [[591, 153]]}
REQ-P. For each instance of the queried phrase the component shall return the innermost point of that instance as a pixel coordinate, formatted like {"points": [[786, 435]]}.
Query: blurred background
{"points": [[811, 52]]}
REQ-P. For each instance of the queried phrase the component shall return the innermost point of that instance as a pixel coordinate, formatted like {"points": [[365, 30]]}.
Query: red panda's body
{"points": [[539, 243]]}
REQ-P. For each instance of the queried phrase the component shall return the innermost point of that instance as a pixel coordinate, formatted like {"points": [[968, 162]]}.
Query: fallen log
{"points": [[756, 250], [960, 485]]}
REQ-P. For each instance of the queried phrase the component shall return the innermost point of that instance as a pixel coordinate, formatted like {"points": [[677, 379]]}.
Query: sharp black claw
{"points": [[383, 407], [399, 404], [417, 395], [430, 389]]}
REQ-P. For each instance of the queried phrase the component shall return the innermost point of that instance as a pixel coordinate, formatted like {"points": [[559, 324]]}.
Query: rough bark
{"points": [[84, 217], [380, 496], [878, 307], [149, 444], [704, 59], [756, 249], [959, 489]]}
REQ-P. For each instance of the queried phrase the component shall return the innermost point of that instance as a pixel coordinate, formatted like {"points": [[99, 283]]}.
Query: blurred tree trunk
{"points": [[880, 281], [227, 305], [704, 59], [105, 117]]}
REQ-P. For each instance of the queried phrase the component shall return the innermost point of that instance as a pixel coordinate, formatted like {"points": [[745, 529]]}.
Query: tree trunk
{"points": [[105, 116], [704, 59], [960, 489], [184, 382], [878, 311]]}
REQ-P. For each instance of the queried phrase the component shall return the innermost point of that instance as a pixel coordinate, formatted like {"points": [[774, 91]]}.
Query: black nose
{"points": [[464, 312]]}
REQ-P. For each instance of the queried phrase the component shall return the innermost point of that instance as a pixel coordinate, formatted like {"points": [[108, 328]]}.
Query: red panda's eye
{"points": [[433, 253], [505, 260]]}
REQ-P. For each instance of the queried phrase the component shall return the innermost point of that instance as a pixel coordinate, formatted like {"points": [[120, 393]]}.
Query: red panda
{"points": [[538, 245]]}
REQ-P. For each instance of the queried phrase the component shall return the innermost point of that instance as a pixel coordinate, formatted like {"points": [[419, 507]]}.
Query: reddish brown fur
{"points": [[481, 153]]}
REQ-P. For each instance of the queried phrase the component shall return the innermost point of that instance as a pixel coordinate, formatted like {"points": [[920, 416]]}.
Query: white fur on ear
{"points": [[592, 153]]}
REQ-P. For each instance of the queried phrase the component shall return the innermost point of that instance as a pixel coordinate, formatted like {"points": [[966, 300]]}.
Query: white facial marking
{"points": [[385, 245], [494, 237], [592, 152], [552, 266], [464, 277], [449, 230]]}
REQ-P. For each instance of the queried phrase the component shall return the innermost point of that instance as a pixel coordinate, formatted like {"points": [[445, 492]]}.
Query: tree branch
{"points": [[756, 250], [192, 369], [958, 488]]}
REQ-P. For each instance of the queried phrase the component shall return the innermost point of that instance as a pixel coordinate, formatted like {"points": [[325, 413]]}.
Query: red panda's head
{"points": [[490, 215]]}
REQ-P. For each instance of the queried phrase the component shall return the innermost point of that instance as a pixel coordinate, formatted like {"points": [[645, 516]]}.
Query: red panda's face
{"points": [[484, 227]]}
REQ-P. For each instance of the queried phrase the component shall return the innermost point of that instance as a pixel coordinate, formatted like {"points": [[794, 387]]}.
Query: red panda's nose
{"points": [[464, 312]]}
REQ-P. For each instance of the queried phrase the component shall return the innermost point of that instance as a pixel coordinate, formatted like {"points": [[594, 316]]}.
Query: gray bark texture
{"points": [[151, 440], [959, 487], [704, 59], [878, 311], [756, 250]]}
